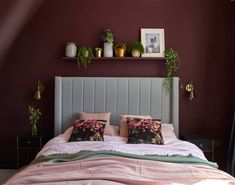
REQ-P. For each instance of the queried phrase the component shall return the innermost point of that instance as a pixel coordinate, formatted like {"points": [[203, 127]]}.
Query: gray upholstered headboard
{"points": [[118, 95]]}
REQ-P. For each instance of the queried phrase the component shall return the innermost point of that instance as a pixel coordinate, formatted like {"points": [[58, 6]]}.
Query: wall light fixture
{"points": [[39, 91]]}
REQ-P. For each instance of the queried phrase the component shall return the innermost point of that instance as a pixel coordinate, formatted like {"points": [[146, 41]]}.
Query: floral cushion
{"points": [[88, 130], [123, 123], [146, 131]]}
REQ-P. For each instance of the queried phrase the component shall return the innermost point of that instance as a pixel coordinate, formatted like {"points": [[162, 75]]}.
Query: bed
{"points": [[135, 127]]}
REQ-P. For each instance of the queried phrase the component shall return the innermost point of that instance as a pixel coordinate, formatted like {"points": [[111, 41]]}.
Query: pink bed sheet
{"points": [[120, 171]]}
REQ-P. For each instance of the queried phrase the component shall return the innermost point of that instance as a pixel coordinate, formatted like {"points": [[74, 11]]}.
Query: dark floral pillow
{"points": [[88, 130], [146, 131]]}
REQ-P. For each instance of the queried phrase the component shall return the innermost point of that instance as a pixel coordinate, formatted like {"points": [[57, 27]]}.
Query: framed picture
{"points": [[153, 41]]}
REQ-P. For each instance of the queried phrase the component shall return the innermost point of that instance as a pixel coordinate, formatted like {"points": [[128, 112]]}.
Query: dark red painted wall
{"points": [[202, 33]]}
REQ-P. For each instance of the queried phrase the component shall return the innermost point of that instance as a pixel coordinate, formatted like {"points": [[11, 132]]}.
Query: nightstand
{"points": [[27, 147], [204, 143]]}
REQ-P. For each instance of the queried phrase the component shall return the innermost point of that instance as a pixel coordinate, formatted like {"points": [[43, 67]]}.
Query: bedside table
{"points": [[27, 147], [204, 143]]}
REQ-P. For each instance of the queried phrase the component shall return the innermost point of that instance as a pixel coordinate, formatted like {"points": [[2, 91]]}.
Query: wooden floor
{"points": [[6, 174]]}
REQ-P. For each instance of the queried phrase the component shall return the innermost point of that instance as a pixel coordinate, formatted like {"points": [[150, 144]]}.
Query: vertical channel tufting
{"points": [[112, 97], [133, 97], [105, 102], [93, 91], [144, 100], [58, 106], [122, 97], [150, 96], [139, 86], [77, 98], [67, 101], [94, 94], [127, 103], [115, 95], [99, 99], [89, 95]]}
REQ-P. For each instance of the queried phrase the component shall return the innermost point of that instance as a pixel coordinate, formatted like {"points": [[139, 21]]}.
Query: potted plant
{"points": [[120, 49], [84, 56], [34, 114], [136, 48], [172, 59], [107, 38]]}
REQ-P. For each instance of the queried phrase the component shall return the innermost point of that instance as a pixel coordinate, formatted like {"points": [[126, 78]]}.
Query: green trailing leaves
{"points": [[84, 56], [172, 59]]}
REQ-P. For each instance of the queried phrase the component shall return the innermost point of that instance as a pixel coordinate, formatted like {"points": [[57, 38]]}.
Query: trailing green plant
{"points": [[136, 46], [84, 56], [107, 36], [172, 59]]}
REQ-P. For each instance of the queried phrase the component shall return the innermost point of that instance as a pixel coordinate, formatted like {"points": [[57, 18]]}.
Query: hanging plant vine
{"points": [[172, 59]]}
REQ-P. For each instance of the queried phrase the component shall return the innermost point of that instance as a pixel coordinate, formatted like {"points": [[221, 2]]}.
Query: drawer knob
{"points": [[201, 145], [28, 142]]}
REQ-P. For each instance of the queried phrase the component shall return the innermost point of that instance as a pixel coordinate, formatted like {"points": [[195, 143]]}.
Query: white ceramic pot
{"points": [[135, 53], [71, 49], [108, 49]]}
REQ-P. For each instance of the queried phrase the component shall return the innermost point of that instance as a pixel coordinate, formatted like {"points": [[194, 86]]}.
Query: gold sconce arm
{"points": [[189, 88], [39, 91]]}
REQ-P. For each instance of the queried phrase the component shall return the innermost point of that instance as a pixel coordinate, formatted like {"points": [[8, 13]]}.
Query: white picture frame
{"points": [[153, 41]]}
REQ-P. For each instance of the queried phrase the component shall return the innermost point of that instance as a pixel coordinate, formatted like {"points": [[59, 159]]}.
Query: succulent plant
{"points": [[107, 36]]}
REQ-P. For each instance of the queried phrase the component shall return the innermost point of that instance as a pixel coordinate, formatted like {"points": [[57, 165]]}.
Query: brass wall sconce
{"points": [[189, 88], [40, 89]]}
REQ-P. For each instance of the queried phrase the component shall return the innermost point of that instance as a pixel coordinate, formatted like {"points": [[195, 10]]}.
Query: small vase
{"points": [[135, 53], [98, 52], [34, 130], [71, 49], [108, 49]]}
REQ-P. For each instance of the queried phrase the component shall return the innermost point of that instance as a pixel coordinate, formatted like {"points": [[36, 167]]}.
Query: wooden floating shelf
{"points": [[118, 58]]}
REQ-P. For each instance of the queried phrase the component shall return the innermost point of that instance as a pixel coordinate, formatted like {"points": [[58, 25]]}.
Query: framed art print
{"points": [[153, 41]]}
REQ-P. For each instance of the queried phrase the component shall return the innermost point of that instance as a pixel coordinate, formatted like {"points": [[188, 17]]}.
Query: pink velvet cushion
{"points": [[97, 116], [124, 126]]}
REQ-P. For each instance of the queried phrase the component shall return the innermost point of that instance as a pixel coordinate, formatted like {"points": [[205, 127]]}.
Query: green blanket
{"points": [[87, 154]]}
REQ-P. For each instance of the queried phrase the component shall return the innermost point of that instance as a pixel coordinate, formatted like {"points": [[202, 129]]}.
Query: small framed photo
{"points": [[153, 41]]}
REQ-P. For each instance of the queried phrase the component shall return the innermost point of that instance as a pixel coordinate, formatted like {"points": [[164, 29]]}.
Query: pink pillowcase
{"points": [[95, 116], [111, 130], [168, 131], [124, 126], [98, 116]]}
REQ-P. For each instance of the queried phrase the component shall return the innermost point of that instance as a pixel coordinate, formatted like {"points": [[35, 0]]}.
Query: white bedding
{"points": [[172, 146]]}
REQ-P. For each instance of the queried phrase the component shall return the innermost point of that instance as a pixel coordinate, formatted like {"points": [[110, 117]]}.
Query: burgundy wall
{"points": [[202, 33], [14, 15]]}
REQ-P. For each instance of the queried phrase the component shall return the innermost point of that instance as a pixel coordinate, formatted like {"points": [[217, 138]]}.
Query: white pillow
{"points": [[68, 133], [168, 131]]}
